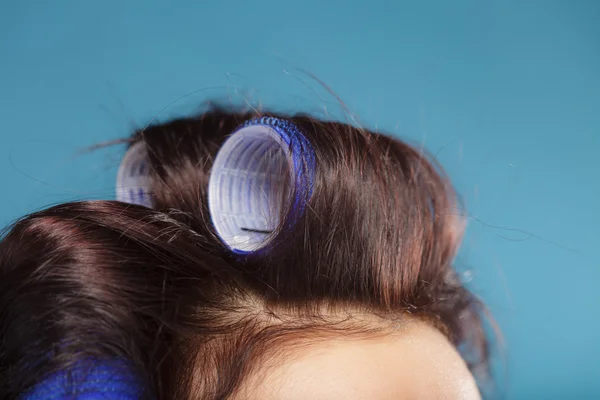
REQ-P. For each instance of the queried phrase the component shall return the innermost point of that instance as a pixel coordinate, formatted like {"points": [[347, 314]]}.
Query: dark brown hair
{"points": [[105, 279]]}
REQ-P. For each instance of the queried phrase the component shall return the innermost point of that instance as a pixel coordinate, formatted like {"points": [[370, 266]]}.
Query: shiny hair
{"points": [[158, 290]]}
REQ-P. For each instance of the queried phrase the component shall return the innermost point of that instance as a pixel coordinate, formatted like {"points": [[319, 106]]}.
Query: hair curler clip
{"points": [[133, 177], [263, 173]]}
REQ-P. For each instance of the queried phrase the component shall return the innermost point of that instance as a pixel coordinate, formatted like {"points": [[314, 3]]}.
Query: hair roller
{"points": [[109, 380], [133, 177], [260, 181]]}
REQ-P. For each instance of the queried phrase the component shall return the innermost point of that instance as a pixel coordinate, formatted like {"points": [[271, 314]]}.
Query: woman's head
{"points": [[356, 298]]}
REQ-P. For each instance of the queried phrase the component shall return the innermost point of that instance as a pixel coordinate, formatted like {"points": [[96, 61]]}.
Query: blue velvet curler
{"points": [[133, 178], [90, 380], [263, 173]]}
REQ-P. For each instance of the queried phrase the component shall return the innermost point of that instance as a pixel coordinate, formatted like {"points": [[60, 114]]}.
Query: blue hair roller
{"points": [[265, 169], [133, 177], [93, 380]]}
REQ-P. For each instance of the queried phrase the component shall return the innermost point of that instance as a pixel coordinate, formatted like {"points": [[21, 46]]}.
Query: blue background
{"points": [[506, 93]]}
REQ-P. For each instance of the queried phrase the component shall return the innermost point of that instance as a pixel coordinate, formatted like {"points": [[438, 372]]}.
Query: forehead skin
{"points": [[417, 363]]}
